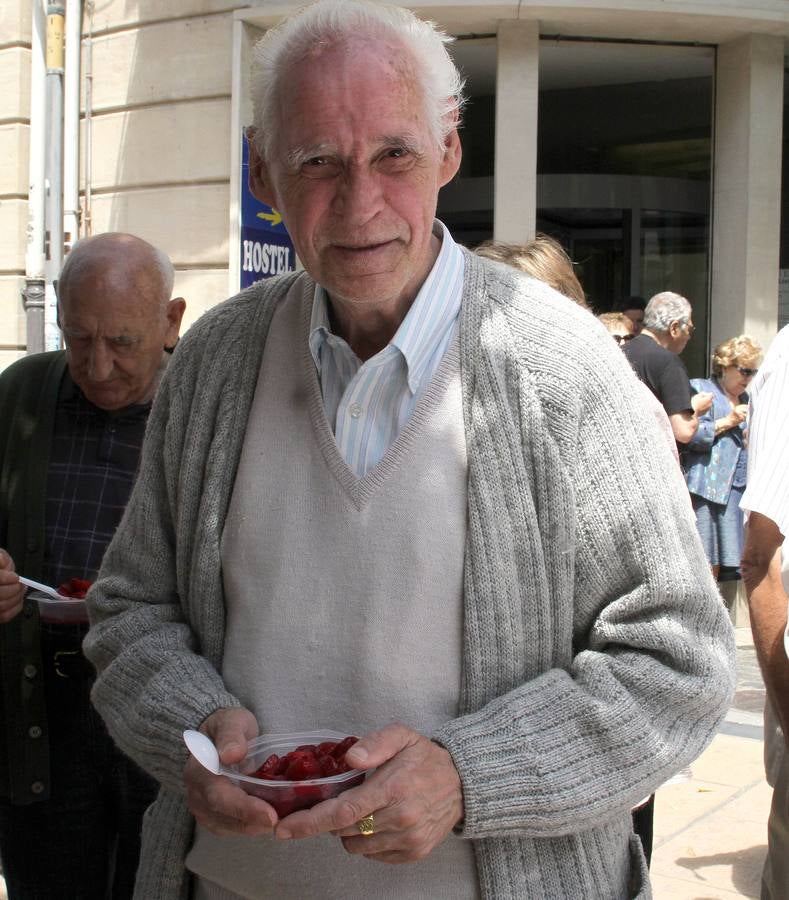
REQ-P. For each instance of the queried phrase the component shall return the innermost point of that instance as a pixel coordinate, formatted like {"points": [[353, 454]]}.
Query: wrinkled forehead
{"points": [[336, 48], [113, 286], [347, 68]]}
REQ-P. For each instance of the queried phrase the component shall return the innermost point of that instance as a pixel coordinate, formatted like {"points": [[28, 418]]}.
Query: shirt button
{"points": [[30, 671], [37, 787], [354, 410], [35, 731]]}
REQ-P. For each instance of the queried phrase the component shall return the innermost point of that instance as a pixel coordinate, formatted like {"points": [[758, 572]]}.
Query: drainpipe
{"points": [[87, 218], [54, 162], [71, 211], [33, 291]]}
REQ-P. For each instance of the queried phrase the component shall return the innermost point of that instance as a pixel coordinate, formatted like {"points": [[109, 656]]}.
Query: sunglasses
{"points": [[745, 372], [622, 338]]}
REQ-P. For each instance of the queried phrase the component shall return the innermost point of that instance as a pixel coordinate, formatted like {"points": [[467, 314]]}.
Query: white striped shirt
{"points": [[768, 437], [368, 403], [767, 491]]}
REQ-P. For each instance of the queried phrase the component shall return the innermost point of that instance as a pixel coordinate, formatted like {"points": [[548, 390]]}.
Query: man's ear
{"points": [[175, 312], [453, 152], [260, 184]]}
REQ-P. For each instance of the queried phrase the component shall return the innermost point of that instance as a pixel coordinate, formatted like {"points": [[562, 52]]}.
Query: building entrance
{"points": [[624, 165]]}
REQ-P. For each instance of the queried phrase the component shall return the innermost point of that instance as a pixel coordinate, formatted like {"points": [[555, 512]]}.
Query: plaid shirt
{"points": [[92, 467]]}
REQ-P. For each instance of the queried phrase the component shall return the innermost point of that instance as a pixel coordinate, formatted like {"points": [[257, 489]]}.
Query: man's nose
{"points": [[360, 196], [101, 362]]}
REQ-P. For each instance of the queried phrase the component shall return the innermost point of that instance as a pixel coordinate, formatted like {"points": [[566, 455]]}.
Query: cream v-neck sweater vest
{"points": [[344, 606]]}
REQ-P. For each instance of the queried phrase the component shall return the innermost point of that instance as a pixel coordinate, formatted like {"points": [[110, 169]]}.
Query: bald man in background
{"points": [[72, 423]]}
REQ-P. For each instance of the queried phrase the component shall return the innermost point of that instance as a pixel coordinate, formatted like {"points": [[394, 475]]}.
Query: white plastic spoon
{"points": [[44, 588], [204, 751]]}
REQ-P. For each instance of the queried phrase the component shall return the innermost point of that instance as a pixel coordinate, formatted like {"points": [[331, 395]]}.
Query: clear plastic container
{"points": [[66, 611], [288, 796]]}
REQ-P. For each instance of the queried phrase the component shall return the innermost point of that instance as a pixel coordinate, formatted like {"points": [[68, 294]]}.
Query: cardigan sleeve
{"points": [[587, 582]]}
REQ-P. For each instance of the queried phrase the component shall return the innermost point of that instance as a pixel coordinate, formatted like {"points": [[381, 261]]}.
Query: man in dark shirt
{"points": [[654, 355], [70, 802]]}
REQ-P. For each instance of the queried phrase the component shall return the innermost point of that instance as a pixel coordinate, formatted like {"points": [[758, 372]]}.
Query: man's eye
{"points": [[319, 167], [396, 159]]}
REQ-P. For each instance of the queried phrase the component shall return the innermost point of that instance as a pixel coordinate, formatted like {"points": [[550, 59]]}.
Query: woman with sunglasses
{"points": [[715, 460]]}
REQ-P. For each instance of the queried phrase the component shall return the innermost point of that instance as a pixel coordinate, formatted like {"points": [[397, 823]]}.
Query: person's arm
{"points": [[652, 668], [684, 425], [682, 406], [767, 603], [695, 426]]}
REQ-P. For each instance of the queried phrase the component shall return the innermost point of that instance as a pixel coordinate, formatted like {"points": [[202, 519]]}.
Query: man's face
{"points": [[355, 173], [636, 316], [115, 328], [679, 334]]}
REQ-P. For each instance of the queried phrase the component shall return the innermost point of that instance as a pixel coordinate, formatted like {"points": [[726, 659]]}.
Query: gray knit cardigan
{"points": [[598, 658]]}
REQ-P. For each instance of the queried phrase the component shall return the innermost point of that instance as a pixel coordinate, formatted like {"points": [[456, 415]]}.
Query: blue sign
{"points": [[266, 247]]}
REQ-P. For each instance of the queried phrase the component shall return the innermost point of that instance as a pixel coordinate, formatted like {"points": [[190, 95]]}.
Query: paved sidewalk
{"points": [[711, 831]]}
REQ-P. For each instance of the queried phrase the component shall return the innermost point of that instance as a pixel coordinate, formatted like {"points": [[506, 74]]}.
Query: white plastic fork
{"points": [[44, 588]]}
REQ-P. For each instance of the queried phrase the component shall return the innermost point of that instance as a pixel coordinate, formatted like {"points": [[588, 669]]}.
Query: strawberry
{"points": [[302, 768]]}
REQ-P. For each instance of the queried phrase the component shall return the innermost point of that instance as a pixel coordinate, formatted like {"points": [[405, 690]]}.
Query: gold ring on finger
{"points": [[366, 825]]}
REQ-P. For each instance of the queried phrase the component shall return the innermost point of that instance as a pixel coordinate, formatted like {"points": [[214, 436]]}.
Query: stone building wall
{"points": [[161, 143]]}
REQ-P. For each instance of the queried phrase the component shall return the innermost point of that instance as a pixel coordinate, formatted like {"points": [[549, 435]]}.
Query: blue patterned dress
{"points": [[715, 471]]}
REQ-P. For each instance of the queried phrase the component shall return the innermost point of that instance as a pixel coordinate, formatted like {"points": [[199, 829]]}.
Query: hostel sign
{"points": [[266, 247]]}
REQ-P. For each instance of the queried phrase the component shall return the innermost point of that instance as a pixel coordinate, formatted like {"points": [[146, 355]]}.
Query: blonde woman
{"points": [[544, 258], [716, 459]]}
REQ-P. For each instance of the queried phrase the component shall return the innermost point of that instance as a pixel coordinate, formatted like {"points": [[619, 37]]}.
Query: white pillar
{"points": [[747, 188], [515, 175]]}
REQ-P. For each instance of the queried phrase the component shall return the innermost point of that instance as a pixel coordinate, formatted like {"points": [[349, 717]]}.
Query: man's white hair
{"points": [[330, 22], [665, 308]]}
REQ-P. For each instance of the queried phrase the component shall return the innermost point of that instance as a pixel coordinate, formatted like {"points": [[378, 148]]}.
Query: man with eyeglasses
{"points": [[765, 570], [654, 355]]}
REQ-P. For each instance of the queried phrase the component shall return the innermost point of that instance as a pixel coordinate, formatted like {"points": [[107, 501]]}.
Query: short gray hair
{"points": [[331, 22], [665, 308]]}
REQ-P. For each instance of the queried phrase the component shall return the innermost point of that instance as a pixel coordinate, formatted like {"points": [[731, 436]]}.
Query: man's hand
{"points": [[701, 402], [219, 805], [12, 591], [415, 797]]}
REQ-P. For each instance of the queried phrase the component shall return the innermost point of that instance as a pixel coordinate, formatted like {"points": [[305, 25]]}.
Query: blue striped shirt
{"points": [[368, 403]]}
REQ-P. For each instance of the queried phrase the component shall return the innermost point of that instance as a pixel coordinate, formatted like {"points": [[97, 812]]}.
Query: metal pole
{"points": [[54, 205], [71, 211], [33, 291], [87, 220]]}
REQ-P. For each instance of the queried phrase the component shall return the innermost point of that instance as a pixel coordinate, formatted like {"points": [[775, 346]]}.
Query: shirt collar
{"points": [[434, 310]]}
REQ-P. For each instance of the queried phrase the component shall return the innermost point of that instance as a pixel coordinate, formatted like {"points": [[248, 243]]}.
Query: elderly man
{"points": [[73, 421], [654, 355], [765, 569], [382, 496]]}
